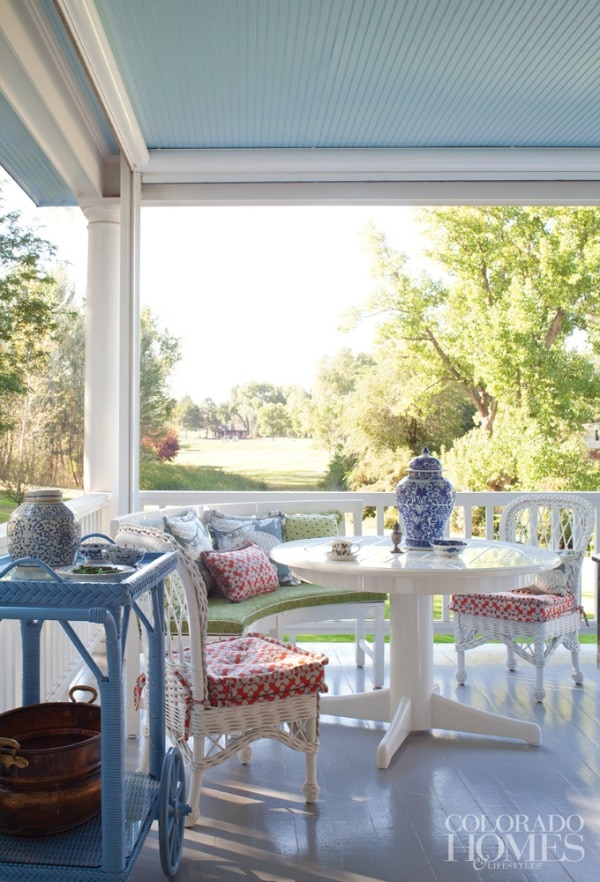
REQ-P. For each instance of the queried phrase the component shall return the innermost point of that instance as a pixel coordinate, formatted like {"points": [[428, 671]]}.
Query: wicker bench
{"points": [[291, 610]]}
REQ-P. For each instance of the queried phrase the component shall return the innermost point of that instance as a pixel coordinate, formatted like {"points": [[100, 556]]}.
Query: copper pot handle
{"points": [[83, 688], [8, 760]]}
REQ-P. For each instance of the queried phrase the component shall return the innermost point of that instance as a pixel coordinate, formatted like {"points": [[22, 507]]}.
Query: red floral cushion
{"points": [[244, 670], [242, 573], [513, 606]]}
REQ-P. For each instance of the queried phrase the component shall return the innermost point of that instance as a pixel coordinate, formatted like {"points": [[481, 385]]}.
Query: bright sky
{"points": [[253, 293]]}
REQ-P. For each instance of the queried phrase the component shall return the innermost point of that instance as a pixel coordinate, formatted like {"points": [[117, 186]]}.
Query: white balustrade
{"points": [[475, 514]]}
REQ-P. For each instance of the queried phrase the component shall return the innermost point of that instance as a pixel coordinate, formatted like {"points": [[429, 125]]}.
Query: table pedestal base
{"points": [[444, 714]]}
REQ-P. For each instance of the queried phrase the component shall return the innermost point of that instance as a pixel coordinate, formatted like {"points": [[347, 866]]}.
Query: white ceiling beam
{"points": [[83, 22], [375, 193], [323, 165]]}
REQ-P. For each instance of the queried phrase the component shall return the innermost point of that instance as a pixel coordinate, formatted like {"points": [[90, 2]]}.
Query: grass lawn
{"points": [[282, 463]]}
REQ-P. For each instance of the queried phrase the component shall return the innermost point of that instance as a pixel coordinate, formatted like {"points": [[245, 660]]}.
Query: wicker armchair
{"points": [[222, 695], [532, 622]]}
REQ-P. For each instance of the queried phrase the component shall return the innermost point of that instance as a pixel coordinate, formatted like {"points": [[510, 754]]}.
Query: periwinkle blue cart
{"points": [[107, 846]]}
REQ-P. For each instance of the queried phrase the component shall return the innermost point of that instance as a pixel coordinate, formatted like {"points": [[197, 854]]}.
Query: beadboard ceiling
{"points": [[326, 74]]}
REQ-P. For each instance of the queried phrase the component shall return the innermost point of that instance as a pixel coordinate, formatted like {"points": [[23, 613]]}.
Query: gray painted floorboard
{"points": [[447, 801]]}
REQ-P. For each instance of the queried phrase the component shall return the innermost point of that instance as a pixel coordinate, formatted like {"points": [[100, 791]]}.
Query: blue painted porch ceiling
{"points": [[360, 73]]}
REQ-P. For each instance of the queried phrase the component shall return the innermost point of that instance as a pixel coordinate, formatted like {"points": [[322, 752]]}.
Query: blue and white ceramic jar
{"points": [[45, 528], [425, 500]]}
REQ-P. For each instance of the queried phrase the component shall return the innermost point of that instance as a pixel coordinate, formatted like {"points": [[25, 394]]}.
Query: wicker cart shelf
{"points": [[107, 846]]}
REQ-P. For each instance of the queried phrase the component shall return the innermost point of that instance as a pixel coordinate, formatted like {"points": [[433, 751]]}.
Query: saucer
{"points": [[331, 556]]}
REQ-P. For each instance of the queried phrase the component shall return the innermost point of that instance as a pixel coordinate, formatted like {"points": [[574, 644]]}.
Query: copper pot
{"points": [[49, 767]]}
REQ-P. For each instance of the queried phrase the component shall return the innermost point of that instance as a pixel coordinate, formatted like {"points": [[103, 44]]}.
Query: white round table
{"points": [[412, 579]]}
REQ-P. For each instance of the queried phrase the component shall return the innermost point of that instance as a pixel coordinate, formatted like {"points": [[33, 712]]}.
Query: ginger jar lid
{"points": [[43, 494], [425, 463]]}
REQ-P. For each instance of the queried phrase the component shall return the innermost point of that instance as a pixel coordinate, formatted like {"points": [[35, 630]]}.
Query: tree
{"points": [[27, 309], [273, 419], [515, 288], [159, 353], [507, 316], [247, 399], [189, 414], [335, 380], [45, 445]]}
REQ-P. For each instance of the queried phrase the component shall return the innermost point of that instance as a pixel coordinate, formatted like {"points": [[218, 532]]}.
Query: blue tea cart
{"points": [[107, 846]]}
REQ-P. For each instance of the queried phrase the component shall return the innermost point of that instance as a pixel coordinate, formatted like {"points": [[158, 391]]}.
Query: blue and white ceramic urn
{"points": [[425, 500], [45, 528]]}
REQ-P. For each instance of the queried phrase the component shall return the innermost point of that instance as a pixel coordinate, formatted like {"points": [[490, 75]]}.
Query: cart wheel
{"points": [[172, 812]]}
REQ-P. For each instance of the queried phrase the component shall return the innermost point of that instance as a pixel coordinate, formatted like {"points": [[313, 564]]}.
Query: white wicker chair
{"points": [[532, 624], [207, 735]]}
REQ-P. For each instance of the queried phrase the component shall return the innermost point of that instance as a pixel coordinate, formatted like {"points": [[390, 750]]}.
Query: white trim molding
{"points": [[83, 22], [359, 165]]}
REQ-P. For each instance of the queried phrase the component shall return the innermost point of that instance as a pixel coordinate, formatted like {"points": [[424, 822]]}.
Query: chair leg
{"points": [[310, 789], [577, 672], [461, 670], [194, 797], [511, 658], [539, 660]]}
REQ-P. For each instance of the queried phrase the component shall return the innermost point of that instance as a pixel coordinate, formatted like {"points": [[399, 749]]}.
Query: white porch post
{"points": [[102, 467], [102, 335], [111, 444]]}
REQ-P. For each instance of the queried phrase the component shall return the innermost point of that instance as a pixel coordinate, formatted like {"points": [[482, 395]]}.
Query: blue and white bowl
{"points": [[448, 547], [117, 554]]}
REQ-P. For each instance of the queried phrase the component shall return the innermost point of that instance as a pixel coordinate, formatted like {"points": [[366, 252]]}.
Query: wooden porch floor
{"points": [[398, 825]]}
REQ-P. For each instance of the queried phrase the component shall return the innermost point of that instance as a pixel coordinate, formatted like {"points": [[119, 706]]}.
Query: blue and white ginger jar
{"points": [[425, 500], [45, 528]]}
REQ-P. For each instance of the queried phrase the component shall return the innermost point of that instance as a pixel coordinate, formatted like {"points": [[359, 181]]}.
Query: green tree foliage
{"points": [[45, 445], [274, 419], [27, 309], [159, 353], [506, 320], [248, 398], [299, 403], [335, 381], [189, 415]]}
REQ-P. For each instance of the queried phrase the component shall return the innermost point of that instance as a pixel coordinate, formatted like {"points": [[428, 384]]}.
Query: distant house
{"points": [[234, 430]]}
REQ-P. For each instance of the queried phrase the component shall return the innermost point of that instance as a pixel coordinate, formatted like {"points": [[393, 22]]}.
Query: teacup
{"points": [[344, 548]]}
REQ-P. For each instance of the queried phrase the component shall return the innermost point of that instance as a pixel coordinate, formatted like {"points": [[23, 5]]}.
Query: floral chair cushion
{"points": [[514, 606], [253, 668], [242, 572]]}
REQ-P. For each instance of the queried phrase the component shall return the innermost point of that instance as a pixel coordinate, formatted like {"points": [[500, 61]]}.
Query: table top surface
{"points": [[375, 561]]}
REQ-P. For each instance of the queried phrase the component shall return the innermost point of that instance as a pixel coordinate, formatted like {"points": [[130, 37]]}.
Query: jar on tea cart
{"points": [[45, 528]]}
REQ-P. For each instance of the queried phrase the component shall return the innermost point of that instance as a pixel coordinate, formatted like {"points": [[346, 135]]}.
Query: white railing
{"points": [[474, 514], [60, 661]]}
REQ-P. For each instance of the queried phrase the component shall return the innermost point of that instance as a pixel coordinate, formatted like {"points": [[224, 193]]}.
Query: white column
{"points": [[101, 471]]}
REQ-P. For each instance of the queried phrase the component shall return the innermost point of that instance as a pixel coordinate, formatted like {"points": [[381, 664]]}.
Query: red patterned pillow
{"points": [[242, 573]]}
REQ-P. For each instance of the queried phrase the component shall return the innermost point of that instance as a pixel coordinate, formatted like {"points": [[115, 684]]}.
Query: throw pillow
{"points": [[312, 526], [189, 532], [562, 580], [242, 573], [264, 530]]}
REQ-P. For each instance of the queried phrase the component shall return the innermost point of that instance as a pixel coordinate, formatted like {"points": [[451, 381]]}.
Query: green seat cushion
{"points": [[234, 618]]}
